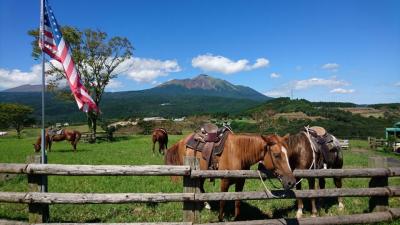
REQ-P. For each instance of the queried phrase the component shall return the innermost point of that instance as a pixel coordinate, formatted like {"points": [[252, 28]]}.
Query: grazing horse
{"points": [[302, 156], [239, 153], [72, 136], [160, 135]]}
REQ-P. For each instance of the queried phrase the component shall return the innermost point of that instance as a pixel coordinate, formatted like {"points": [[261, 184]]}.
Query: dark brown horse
{"points": [[302, 156], [72, 136], [239, 153], [160, 135]]}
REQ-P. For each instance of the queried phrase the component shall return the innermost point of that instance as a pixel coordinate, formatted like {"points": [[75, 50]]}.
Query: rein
{"points": [[267, 191]]}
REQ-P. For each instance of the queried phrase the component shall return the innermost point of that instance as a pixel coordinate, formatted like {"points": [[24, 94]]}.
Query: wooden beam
{"points": [[340, 173], [115, 198], [95, 170]]}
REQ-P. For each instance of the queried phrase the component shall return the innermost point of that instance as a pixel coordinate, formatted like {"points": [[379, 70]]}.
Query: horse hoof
{"points": [[313, 215], [299, 214], [207, 206], [341, 206]]}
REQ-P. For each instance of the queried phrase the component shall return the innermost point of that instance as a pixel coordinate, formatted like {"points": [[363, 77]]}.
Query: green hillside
{"points": [[335, 117], [121, 105]]}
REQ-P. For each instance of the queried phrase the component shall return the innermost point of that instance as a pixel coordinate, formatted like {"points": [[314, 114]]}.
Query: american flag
{"points": [[52, 42]]}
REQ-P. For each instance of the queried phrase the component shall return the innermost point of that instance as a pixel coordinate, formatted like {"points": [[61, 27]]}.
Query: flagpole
{"points": [[43, 133]]}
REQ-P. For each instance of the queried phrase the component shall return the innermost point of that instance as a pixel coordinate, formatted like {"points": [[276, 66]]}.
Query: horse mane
{"points": [[248, 147], [172, 156], [294, 140]]}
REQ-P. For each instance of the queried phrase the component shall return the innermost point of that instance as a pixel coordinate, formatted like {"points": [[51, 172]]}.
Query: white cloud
{"points": [[397, 84], [330, 66], [14, 78], [147, 70], [277, 93], [342, 91], [224, 65], [314, 82], [285, 89], [274, 75]]}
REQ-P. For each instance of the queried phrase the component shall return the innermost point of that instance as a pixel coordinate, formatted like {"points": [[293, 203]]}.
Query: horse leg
{"points": [[49, 145], [154, 145], [160, 145], [311, 184], [206, 204], [300, 204], [338, 184], [224, 188], [238, 188], [321, 185], [73, 145]]}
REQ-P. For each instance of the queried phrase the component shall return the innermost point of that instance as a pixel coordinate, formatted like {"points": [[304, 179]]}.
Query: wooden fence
{"points": [[374, 143], [38, 202]]}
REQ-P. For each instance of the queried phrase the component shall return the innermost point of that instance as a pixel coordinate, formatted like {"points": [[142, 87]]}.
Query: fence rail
{"points": [[161, 170], [379, 191]]}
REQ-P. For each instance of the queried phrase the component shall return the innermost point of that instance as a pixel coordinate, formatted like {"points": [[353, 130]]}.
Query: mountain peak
{"points": [[208, 85]]}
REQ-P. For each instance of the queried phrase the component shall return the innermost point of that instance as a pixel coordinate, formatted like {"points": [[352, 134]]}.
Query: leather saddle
{"points": [[53, 132], [324, 142], [209, 140]]}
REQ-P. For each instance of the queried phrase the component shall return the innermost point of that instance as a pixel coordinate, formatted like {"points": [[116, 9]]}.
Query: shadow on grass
{"points": [[247, 211]]}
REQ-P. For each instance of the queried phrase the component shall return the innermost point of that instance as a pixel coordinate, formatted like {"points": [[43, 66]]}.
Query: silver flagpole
{"points": [[43, 144]]}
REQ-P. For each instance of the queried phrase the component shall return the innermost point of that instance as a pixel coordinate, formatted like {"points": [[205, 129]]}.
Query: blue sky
{"points": [[320, 50]]}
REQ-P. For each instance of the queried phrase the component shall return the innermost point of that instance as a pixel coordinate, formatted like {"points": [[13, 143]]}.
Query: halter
{"points": [[267, 191]]}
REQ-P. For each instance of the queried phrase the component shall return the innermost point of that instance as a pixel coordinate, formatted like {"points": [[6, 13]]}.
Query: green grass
{"points": [[136, 150]]}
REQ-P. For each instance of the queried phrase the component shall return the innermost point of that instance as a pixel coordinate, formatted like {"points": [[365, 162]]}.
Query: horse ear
{"points": [[269, 140], [286, 137]]}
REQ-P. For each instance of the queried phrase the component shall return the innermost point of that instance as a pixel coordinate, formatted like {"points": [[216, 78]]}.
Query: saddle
{"points": [[323, 141], [162, 130], [53, 132], [209, 140]]}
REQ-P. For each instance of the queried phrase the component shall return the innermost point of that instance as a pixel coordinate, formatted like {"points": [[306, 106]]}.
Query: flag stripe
{"points": [[55, 46]]}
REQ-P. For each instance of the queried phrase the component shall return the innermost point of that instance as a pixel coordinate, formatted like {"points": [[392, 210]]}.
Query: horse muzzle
{"points": [[288, 182]]}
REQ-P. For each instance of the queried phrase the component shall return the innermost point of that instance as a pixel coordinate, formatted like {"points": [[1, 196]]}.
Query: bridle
{"points": [[277, 175]]}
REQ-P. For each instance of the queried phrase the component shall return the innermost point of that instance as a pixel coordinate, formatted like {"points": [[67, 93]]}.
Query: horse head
{"points": [[276, 159], [36, 147]]}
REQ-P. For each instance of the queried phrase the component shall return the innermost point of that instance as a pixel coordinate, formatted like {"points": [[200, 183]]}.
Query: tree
{"points": [[96, 58], [16, 116]]}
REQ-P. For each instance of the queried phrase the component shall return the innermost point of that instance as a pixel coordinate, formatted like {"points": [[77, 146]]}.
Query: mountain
{"points": [[25, 88], [176, 98], [208, 86]]}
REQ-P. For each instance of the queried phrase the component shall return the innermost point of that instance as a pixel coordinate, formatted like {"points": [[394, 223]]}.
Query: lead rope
{"points": [[267, 191], [313, 149]]}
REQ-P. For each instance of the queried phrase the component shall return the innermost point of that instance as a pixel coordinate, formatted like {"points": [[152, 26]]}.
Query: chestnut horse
{"points": [[72, 136], [160, 135], [239, 153], [302, 156]]}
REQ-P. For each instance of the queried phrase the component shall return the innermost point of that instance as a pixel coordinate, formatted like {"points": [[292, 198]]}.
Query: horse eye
{"points": [[277, 155]]}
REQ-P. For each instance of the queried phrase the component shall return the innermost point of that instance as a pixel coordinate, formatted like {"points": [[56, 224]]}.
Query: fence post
{"points": [[378, 203], [191, 209], [38, 213]]}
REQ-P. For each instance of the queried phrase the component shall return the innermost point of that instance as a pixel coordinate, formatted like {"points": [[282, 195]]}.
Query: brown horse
{"points": [[239, 153], [302, 156], [72, 136], [160, 135]]}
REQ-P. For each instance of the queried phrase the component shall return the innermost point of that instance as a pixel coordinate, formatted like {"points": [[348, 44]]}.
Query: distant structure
{"points": [[393, 131], [157, 118], [179, 119]]}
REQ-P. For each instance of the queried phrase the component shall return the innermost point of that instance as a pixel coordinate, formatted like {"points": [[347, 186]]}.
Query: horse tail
{"points": [[154, 136], [166, 140], [172, 156]]}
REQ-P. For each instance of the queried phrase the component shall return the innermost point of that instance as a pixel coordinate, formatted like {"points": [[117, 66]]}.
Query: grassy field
{"points": [[136, 150]]}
